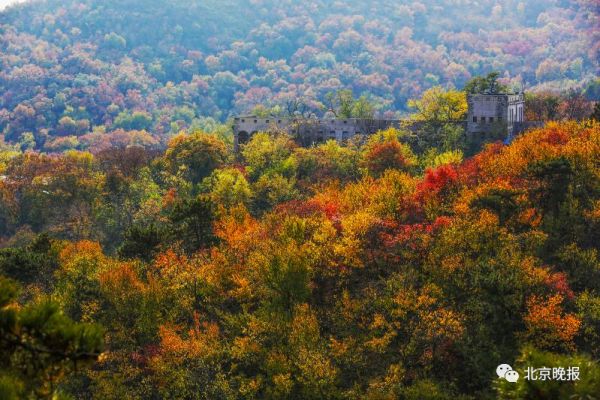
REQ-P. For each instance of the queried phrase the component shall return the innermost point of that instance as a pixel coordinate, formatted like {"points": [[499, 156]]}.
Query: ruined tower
{"points": [[491, 116], [495, 116]]}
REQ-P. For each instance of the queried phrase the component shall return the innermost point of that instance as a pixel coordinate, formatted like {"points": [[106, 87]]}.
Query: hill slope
{"points": [[69, 67], [326, 272]]}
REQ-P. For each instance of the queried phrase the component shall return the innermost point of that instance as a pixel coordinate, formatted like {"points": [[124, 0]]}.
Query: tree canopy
{"points": [[89, 75], [325, 272]]}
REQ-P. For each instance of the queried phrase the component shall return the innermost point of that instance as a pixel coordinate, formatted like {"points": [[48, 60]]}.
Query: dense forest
{"points": [[92, 74], [365, 271], [141, 257]]}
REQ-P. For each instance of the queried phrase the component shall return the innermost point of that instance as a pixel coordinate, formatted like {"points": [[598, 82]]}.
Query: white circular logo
{"points": [[502, 369], [505, 371], [512, 376]]}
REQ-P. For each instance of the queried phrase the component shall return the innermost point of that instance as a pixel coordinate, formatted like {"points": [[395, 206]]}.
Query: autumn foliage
{"points": [[91, 75], [366, 282]]}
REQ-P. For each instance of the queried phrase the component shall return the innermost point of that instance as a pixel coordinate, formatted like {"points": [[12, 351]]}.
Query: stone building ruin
{"points": [[496, 116], [490, 117]]}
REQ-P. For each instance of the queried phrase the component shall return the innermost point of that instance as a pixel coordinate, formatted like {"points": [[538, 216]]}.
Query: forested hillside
{"points": [[142, 258], [357, 272], [84, 74]]}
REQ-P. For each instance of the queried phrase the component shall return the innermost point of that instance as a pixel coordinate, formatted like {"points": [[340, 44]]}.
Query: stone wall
{"points": [[308, 131], [490, 117]]}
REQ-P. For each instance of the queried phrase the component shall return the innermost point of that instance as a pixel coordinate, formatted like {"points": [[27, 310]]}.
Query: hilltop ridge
{"points": [[70, 69]]}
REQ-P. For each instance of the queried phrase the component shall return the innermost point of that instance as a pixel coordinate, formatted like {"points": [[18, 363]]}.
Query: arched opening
{"points": [[243, 137]]}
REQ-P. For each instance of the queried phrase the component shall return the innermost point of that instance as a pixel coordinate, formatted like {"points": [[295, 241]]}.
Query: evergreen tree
{"points": [[40, 346]]}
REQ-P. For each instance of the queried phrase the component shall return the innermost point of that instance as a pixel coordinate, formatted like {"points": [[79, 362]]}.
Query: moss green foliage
{"points": [[40, 345]]}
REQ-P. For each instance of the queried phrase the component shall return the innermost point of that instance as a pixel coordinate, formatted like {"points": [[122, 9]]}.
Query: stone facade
{"points": [[309, 131], [490, 117], [494, 115]]}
